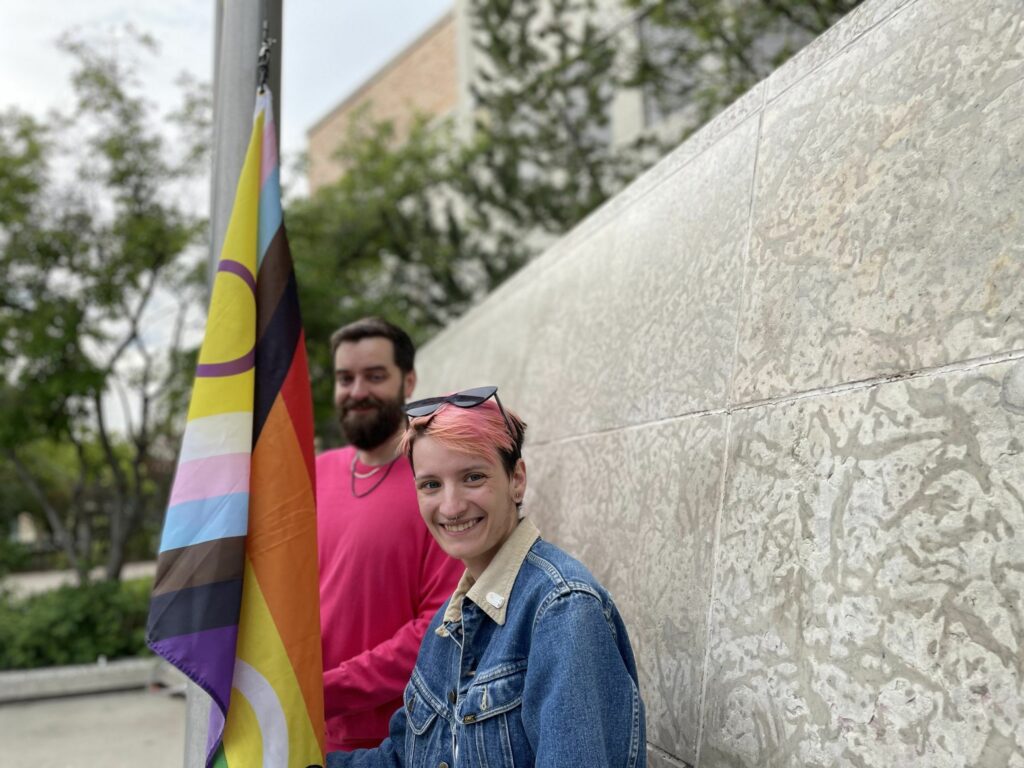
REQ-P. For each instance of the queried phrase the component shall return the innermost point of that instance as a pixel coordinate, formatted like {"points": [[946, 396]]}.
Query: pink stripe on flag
{"points": [[209, 477], [268, 161]]}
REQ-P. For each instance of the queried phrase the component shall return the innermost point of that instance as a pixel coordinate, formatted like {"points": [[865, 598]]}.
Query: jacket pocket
{"points": [[419, 711], [491, 717], [426, 732]]}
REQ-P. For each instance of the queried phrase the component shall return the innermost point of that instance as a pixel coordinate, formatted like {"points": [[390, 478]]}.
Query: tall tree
{"points": [[697, 56], [542, 154], [420, 229], [94, 234], [391, 238]]}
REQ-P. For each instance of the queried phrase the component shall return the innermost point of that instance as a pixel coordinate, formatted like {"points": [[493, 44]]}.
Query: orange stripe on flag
{"points": [[282, 540]]}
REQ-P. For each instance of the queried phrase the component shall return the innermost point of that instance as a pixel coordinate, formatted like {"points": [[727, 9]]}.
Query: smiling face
{"points": [[468, 501], [369, 391]]}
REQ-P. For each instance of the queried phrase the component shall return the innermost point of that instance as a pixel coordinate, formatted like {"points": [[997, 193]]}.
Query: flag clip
{"points": [[263, 58]]}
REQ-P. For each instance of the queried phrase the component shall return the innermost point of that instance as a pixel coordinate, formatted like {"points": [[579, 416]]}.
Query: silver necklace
{"points": [[364, 475]]}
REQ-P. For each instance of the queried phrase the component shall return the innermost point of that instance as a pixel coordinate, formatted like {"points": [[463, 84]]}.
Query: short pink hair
{"points": [[479, 430]]}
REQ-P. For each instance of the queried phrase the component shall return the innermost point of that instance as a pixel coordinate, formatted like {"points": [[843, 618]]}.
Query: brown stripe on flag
{"points": [[275, 270], [199, 564]]}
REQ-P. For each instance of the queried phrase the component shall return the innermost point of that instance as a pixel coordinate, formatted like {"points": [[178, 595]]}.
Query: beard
{"points": [[370, 421]]}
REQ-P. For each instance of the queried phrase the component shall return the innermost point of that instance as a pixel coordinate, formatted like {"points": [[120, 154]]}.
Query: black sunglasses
{"points": [[467, 398]]}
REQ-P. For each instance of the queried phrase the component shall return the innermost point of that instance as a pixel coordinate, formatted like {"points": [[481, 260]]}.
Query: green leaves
{"points": [[389, 238], [698, 56], [542, 156], [74, 625], [22, 166], [420, 227], [95, 248]]}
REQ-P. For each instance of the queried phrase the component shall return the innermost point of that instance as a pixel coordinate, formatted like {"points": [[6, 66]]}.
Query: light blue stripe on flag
{"points": [[193, 522], [270, 211]]}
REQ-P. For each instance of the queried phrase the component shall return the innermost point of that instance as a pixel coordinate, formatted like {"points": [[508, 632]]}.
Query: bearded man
{"points": [[382, 576]]}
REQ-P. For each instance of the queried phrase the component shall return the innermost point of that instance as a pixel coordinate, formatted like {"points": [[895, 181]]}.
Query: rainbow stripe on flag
{"points": [[235, 602]]}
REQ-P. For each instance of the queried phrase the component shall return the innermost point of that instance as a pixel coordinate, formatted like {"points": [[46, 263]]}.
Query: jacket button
{"points": [[452, 696], [469, 719], [443, 765]]}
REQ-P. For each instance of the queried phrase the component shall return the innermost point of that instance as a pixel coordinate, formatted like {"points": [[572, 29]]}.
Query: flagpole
{"points": [[239, 29], [238, 33]]}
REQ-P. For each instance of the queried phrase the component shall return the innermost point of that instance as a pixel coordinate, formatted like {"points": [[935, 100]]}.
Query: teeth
{"points": [[457, 527]]}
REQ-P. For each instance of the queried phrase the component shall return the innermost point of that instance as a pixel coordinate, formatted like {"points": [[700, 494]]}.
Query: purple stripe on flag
{"points": [[214, 733], [229, 367], [239, 269], [212, 476], [208, 657]]}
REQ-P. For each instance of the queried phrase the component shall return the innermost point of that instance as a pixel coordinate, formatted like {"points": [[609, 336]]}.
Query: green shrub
{"points": [[13, 556], [74, 625]]}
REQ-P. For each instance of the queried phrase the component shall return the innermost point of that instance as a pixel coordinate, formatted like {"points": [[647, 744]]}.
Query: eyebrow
{"points": [[372, 368], [473, 468]]}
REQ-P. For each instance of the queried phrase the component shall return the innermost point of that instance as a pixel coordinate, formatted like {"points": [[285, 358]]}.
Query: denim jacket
{"points": [[533, 669]]}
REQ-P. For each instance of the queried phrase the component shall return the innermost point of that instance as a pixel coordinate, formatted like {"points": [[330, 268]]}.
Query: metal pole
{"points": [[239, 25], [238, 29]]}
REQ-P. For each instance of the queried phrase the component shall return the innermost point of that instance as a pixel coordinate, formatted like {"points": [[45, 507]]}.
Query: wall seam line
{"points": [[571, 245], [510, 288], [849, 44], [741, 307], [715, 545], [748, 247], [961, 366], [666, 755]]}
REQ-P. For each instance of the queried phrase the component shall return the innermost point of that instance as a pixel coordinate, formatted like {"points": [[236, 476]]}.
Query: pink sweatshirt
{"points": [[382, 578]]}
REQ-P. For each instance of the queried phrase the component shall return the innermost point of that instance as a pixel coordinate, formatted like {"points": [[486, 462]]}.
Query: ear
{"points": [[409, 384], [518, 482]]}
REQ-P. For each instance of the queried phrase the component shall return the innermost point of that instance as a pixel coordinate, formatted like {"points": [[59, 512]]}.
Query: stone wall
{"points": [[776, 401]]}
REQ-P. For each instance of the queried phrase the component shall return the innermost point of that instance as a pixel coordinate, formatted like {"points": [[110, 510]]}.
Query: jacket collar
{"points": [[494, 587]]}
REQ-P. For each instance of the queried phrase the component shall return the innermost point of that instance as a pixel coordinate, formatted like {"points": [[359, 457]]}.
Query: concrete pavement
{"points": [[110, 730], [34, 582]]}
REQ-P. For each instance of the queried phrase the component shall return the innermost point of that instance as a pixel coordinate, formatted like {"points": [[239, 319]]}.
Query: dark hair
{"points": [[377, 327]]}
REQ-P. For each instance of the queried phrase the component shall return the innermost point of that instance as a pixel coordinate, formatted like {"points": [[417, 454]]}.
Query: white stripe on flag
{"points": [[216, 436], [269, 714]]}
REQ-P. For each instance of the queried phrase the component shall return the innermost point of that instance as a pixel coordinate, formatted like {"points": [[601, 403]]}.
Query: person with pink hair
{"points": [[528, 663], [382, 576]]}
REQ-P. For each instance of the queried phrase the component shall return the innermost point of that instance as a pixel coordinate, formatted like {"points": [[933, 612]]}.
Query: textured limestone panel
{"points": [[638, 507], [888, 233], [491, 346], [869, 600], [637, 322], [857, 22], [720, 126], [658, 759], [643, 316]]}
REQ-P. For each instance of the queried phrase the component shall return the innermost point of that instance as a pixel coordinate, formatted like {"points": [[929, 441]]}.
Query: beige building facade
{"points": [[423, 79], [434, 75]]}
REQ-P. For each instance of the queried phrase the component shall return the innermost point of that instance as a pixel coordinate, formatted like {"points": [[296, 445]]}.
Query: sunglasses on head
{"points": [[467, 398]]}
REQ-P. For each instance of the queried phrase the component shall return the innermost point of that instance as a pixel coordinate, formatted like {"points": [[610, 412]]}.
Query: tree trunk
{"points": [[65, 539]]}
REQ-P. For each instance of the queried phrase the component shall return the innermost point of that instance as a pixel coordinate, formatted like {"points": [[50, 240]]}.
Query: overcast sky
{"points": [[330, 48]]}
